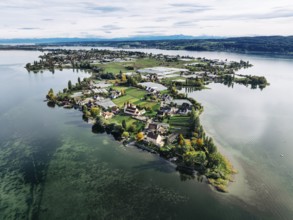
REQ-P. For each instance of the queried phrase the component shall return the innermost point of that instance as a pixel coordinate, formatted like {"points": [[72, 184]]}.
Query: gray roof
{"points": [[106, 103], [76, 94], [156, 86], [161, 71], [102, 85]]}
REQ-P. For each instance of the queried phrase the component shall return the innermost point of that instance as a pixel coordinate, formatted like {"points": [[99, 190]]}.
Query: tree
{"points": [[28, 66], [95, 111], [124, 124], [199, 142], [131, 128], [99, 126], [123, 77], [140, 136], [125, 135], [132, 81], [216, 159], [210, 145], [84, 108], [181, 140], [69, 85], [194, 115], [192, 158], [51, 95]]}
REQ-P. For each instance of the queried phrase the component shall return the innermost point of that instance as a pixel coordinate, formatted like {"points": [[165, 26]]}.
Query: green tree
{"points": [[192, 158], [95, 111], [125, 135], [209, 143], [84, 108], [131, 128], [181, 140], [69, 85], [123, 77], [124, 124], [51, 95], [215, 160]]}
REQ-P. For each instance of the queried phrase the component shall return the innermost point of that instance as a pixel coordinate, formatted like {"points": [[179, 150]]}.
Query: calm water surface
{"points": [[53, 167]]}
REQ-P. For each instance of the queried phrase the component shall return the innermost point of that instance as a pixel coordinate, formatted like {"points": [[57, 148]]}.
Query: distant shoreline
{"points": [[278, 46]]}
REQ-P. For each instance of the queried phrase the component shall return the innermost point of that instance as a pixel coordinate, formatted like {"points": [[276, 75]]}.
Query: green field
{"points": [[117, 119], [134, 96], [180, 124], [115, 67]]}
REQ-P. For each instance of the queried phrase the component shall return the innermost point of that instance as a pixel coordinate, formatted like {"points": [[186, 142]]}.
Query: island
{"points": [[139, 98]]}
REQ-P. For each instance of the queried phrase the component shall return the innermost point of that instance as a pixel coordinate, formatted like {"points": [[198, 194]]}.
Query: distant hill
{"points": [[282, 45], [263, 44], [75, 40]]}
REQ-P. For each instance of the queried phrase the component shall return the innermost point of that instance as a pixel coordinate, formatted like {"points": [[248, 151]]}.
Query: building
{"points": [[160, 128], [107, 115], [99, 91], [168, 110], [115, 94], [105, 103], [184, 109], [167, 98], [155, 139], [132, 110], [115, 109], [184, 106]]}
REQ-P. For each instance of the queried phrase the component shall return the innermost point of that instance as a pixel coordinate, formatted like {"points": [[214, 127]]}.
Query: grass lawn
{"points": [[119, 118], [129, 121], [180, 124], [155, 106], [115, 67], [132, 95]]}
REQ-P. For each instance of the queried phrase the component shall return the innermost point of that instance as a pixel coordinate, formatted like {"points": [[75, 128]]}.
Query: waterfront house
{"points": [[170, 110], [184, 109], [155, 139]]}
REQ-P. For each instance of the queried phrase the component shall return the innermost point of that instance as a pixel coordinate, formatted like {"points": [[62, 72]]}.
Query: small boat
{"points": [[67, 106], [281, 155]]}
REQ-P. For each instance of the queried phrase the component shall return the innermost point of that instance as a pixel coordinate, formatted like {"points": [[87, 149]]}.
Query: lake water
{"points": [[53, 167]]}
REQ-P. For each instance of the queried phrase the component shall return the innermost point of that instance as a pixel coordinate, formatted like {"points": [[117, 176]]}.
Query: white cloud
{"points": [[122, 18]]}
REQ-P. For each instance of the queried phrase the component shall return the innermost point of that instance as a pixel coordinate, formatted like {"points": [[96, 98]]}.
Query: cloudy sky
{"points": [[123, 18]]}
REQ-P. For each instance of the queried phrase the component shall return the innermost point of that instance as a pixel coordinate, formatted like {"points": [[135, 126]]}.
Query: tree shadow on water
{"points": [[160, 165]]}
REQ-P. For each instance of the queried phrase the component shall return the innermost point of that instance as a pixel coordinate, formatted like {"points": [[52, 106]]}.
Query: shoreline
{"points": [[189, 147], [239, 186]]}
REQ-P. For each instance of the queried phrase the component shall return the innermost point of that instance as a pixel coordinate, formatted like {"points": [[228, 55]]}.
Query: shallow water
{"points": [[53, 167]]}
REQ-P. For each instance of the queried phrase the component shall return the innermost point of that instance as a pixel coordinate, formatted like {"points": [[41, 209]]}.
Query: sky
{"points": [[126, 18]]}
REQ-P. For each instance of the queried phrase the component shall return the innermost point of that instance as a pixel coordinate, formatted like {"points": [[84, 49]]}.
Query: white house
{"points": [[155, 139], [132, 110]]}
